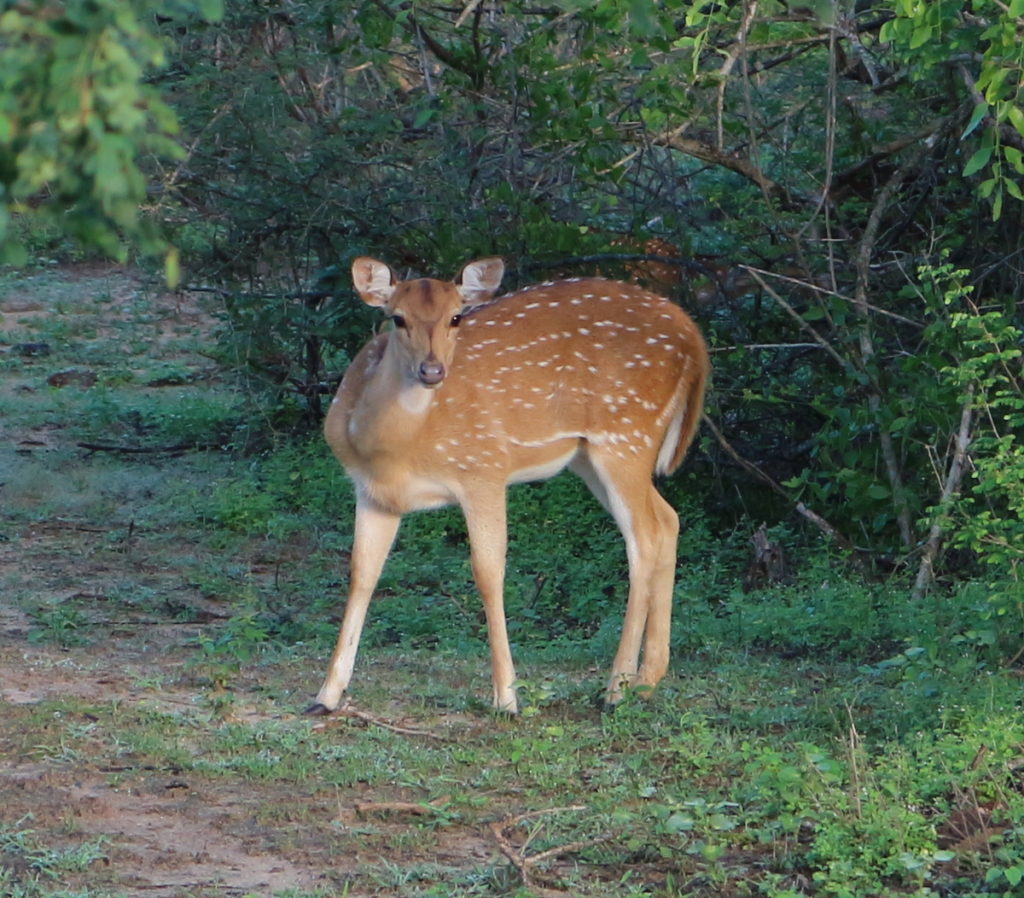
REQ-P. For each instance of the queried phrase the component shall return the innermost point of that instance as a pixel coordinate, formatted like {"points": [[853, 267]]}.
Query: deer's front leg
{"points": [[375, 531], [488, 539]]}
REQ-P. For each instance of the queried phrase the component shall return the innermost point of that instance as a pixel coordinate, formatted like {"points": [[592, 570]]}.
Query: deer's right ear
{"points": [[480, 280], [374, 281]]}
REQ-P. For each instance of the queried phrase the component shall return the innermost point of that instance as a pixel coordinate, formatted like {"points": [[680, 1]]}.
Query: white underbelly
{"points": [[543, 470], [412, 493]]}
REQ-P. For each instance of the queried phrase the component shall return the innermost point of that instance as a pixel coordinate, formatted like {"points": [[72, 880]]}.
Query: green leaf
{"points": [[978, 161], [211, 10], [11, 21], [980, 110], [423, 117], [1016, 116], [679, 823], [172, 267], [641, 20], [995, 85], [922, 34]]}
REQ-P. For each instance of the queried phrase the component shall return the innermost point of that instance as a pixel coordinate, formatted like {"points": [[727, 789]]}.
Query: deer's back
{"points": [[586, 357]]}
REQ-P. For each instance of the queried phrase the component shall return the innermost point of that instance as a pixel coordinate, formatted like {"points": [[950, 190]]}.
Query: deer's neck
{"points": [[391, 410]]}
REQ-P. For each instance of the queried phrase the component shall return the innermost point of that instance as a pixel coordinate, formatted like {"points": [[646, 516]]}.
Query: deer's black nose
{"points": [[431, 372]]}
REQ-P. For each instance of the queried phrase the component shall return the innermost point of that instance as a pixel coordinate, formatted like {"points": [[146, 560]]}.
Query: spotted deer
{"points": [[468, 394]]}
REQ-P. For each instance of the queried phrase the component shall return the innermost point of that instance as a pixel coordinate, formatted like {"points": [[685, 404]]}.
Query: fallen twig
{"points": [[396, 807], [384, 724], [525, 863]]}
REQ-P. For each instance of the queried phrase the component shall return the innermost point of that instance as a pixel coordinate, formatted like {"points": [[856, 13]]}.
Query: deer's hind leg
{"points": [[650, 528]]}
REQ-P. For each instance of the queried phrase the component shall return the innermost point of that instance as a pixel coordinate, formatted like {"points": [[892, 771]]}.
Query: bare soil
{"points": [[172, 832]]}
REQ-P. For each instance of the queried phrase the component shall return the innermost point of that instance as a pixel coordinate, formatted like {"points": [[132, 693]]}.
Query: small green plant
{"points": [[22, 847], [990, 517], [64, 624], [239, 639]]}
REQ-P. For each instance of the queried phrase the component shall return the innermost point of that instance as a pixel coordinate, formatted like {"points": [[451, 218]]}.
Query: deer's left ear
{"points": [[479, 281]]}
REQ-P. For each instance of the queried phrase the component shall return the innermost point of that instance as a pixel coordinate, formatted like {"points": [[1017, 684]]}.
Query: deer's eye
{"points": [[456, 320], [398, 321]]}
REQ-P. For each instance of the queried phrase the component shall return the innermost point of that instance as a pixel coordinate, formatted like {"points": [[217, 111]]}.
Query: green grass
{"points": [[679, 789], [174, 613]]}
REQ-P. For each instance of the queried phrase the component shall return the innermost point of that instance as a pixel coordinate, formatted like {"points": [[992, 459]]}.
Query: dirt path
{"points": [[171, 831], [156, 832], [164, 837], [161, 832]]}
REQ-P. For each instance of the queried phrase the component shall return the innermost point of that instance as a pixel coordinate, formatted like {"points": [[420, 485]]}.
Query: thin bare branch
{"points": [[954, 477], [738, 164], [810, 285], [731, 57], [887, 150], [862, 259], [466, 12], [744, 463], [776, 487], [804, 326], [735, 346], [828, 529]]}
